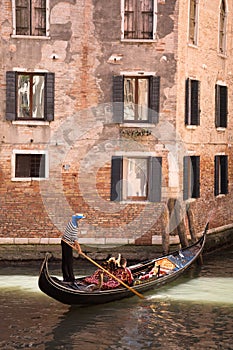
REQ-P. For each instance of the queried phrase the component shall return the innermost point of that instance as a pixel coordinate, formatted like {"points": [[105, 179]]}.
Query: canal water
{"points": [[194, 312]]}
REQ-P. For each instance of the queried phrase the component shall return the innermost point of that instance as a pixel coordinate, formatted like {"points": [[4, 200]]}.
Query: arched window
{"points": [[222, 27]]}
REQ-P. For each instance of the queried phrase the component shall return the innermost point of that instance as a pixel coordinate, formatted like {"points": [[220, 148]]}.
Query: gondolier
{"points": [[171, 265], [70, 236]]}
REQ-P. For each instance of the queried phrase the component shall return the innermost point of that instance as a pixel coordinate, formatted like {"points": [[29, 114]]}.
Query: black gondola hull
{"points": [[70, 295]]}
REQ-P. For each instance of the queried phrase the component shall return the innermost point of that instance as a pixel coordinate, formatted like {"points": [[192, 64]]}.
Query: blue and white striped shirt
{"points": [[71, 233]]}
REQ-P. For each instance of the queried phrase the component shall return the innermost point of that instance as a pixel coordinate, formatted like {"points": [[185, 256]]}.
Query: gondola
{"points": [[170, 267]]}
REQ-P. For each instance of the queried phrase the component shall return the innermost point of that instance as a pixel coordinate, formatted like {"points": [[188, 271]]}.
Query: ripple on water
{"points": [[201, 289]]}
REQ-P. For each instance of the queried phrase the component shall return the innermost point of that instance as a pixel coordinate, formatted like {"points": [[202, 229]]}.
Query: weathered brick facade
{"points": [[84, 50]]}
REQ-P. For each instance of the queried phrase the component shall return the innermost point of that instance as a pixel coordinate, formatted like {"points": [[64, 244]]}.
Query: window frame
{"points": [[193, 22], [31, 96], [154, 25], [153, 101], [118, 179], [192, 102], [126, 161], [136, 97], [220, 175], [222, 27], [191, 177], [12, 97], [31, 36], [221, 106], [29, 152]]}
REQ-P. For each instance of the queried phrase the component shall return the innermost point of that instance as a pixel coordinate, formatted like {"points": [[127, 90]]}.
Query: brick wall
{"points": [[82, 138]]}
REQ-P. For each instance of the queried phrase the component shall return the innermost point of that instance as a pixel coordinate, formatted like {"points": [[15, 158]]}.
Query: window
{"points": [[29, 96], [136, 99], [192, 102], [193, 21], [136, 178], [191, 177], [221, 106], [222, 27], [138, 19], [221, 175], [29, 165], [30, 17]]}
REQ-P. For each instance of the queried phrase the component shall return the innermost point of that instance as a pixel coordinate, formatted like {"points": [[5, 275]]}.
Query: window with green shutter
{"points": [[29, 96], [191, 177], [136, 179], [192, 102], [136, 99], [221, 175], [221, 106]]}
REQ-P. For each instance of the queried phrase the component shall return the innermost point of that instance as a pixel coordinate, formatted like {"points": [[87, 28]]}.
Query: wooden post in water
{"points": [[176, 210], [165, 233], [191, 223]]}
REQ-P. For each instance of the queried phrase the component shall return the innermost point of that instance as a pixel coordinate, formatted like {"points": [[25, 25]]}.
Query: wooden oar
{"points": [[109, 273]]}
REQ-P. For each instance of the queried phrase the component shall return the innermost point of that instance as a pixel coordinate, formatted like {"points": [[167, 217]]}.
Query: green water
{"points": [[194, 312]]}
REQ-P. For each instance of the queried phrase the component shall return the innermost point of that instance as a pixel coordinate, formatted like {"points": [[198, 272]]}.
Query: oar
{"points": [[109, 273]]}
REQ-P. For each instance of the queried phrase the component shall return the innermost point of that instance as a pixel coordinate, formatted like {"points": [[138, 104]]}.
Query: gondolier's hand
{"points": [[77, 246]]}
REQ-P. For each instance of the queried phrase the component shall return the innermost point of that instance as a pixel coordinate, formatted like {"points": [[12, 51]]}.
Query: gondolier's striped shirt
{"points": [[71, 233]]}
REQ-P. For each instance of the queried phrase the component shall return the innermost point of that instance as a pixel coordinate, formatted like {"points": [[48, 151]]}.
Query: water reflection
{"points": [[140, 325]]}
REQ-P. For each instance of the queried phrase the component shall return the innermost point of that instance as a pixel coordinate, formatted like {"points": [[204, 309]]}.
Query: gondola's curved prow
{"points": [[71, 295]]}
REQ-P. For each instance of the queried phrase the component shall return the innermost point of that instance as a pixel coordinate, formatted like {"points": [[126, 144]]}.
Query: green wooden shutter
{"points": [[186, 161], [216, 175], [223, 106], [154, 99], [196, 176], [195, 102], [49, 96], [224, 174], [116, 178], [11, 95], [118, 98], [217, 109], [187, 101], [155, 179]]}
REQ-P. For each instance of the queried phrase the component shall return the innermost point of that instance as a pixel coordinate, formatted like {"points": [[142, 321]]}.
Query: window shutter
{"points": [[217, 109], [154, 99], [129, 20], [118, 98], [196, 176], [223, 106], [11, 96], [192, 20], [155, 179], [186, 161], [195, 102], [145, 20], [39, 18], [187, 101], [224, 174], [49, 96], [22, 17], [116, 178], [216, 174]]}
